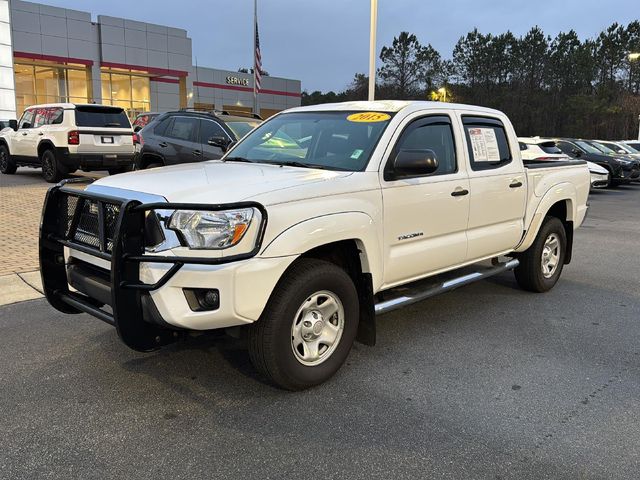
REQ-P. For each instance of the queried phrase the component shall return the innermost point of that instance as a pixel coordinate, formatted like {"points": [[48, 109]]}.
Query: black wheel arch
{"points": [[347, 255], [4, 143], [46, 145], [560, 210]]}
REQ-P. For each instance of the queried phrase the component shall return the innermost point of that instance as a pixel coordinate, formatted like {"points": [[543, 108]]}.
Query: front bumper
{"points": [[145, 291], [599, 180]]}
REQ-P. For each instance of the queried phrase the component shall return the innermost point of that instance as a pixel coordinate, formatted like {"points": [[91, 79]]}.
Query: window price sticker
{"points": [[484, 145]]}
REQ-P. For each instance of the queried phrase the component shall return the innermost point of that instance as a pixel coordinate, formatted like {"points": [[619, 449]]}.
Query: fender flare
{"points": [[6, 144], [550, 198], [325, 229], [47, 143]]}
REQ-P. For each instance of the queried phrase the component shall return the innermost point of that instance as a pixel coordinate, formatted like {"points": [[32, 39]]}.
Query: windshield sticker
{"points": [[368, 117], [356, 153], [484, 145]]}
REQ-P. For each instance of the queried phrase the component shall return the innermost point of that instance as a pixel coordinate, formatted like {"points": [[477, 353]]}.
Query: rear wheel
{"points": [[308, 327], [541, 265], [7, 165], [52, 170]]}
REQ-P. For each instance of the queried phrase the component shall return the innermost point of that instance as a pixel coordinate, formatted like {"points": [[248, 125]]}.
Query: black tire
{"points": [[7, 165], [52, 171], [271, 337], [530, 274]]}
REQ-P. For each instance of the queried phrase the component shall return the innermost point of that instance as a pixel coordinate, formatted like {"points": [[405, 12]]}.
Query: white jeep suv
{"points": [[62, 137]]}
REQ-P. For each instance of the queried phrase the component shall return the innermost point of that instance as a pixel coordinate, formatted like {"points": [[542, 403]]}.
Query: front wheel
{"points": [[7, 165], [541, 264], [308, 327]]}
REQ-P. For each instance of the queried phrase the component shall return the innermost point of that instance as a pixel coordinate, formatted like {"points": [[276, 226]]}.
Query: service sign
{"points": [[231, 80]]}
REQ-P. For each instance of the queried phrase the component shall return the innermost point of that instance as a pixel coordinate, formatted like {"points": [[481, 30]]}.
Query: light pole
{"points": [[372, 50], [632, 57]]}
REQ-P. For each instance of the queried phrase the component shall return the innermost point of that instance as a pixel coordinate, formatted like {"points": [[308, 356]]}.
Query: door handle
{"points": [[460, 193], [41, 134], [196, 153], [24, 134], [163, 144], [515, 184]]}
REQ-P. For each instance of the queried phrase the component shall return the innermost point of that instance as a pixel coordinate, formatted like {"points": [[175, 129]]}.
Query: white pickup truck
{"points": [[316, 221]]}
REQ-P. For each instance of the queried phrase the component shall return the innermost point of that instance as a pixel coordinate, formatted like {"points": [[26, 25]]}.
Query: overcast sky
{"points": [[324, 42]]}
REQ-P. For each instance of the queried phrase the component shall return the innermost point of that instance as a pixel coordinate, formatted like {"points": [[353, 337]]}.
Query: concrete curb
{"points": [[18, 287]]}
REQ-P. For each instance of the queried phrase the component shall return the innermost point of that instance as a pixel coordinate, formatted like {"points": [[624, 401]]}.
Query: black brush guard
{"points": [[121, 241]]}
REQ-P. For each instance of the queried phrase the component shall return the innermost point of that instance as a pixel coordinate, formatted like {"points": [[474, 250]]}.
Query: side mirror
{"points": [[219, 141], [576, 153], [414, 163], [13, 124], [623, 152], [137, 128]]}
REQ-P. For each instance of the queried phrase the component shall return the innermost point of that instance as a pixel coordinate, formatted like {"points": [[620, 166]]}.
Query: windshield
{"points": [[588, 147], [603, 148], [331, 140], [240, 129], [634, 145]]}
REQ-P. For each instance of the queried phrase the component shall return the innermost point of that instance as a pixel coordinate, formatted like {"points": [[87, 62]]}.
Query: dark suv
{"points": [[622, 169], [191, 136]]}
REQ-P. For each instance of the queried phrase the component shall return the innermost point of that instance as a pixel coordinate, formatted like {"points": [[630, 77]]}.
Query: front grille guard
{"points": [[125, 252]]}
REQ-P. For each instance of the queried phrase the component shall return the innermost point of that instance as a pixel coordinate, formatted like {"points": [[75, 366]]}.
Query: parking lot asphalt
{"points": [[484, 382]]}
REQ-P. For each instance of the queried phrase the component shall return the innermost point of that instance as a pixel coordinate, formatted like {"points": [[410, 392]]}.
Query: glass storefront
{"points": [[50, 83], [126, 90]]}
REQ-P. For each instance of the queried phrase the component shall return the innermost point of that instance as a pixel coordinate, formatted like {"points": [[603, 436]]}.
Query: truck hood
{"points": [[215, 181]]}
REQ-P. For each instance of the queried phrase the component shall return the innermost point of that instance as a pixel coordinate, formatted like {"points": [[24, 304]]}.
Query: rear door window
{"points": [[487, 143], [101, 117], [183, 128], [56, 115]]}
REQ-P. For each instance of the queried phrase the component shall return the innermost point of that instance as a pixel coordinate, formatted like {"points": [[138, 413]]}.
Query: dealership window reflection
{"points": [[49, 83], [130, 92]]}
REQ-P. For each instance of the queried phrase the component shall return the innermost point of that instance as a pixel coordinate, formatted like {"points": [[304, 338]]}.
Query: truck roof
{"points": [[68, 106], [393, 106]]}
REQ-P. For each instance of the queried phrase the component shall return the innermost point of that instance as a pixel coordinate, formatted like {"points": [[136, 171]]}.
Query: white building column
{"points": [[7, 85]]}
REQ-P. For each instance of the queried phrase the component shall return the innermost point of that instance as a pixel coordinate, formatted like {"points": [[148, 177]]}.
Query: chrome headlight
{"points": [[212, 230]]}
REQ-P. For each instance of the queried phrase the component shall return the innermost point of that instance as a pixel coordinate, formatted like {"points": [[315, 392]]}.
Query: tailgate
{"points": [[105, 141]]}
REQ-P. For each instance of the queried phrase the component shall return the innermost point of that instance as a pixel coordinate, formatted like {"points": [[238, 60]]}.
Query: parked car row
{"points": [[610, 163], [64, 137], [187, 136]]}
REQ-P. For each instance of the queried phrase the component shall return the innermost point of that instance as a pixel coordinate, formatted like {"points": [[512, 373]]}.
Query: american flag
{"points": [[257, 63]]}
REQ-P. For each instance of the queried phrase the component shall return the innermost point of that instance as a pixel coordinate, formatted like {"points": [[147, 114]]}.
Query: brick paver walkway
{"points": [[21, 198]]}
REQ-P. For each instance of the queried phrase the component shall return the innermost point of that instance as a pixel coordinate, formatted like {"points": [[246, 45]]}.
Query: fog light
{"points": [[202, 299]]}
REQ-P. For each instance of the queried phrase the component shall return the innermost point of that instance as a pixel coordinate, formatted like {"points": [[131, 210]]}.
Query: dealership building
{"points": [[50, 54]]}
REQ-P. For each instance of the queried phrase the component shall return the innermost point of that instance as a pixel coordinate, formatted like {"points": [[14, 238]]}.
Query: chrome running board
{"points": [[423, 289]]}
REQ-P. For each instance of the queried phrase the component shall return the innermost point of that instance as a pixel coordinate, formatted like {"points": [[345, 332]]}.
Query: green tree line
{"points": [[561, 86]]}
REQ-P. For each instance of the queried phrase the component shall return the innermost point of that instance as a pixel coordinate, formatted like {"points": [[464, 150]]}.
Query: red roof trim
{"points": [[164, 80], [244, 89], [154, 70], [52, 58]]}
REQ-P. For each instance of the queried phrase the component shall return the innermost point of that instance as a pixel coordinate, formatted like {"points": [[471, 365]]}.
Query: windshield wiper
{"points": [[293, 163], [237, 159]]}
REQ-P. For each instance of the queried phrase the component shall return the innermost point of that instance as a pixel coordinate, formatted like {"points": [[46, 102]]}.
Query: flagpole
{"points": [[253, 43], [372, 49]]}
